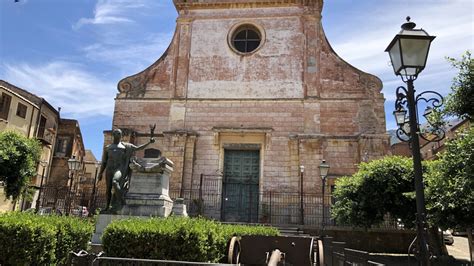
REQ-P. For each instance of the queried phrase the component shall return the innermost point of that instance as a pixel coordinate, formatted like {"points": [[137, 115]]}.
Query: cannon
{"points": [[271, 250]]}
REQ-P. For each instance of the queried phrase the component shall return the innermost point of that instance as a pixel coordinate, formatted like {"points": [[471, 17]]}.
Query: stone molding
{"points": [[206, 4]]}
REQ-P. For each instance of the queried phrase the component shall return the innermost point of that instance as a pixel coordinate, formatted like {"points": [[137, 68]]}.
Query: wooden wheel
{"points": [[233, 250]]}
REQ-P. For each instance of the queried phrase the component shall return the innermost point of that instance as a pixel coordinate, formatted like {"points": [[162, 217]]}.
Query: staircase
{"points": [[291, 231]]}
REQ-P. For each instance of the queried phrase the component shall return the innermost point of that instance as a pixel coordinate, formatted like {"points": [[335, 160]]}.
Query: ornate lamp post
{"points": [[301, 193], [38, 201], [323, 172], [73, 165], [408, 53]]}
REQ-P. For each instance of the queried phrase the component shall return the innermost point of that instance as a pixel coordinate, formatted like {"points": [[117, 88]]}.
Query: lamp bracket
{"points": [[432, 132]]}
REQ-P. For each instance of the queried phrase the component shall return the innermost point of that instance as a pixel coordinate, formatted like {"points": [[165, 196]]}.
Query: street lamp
{"points": [[301, 194], [73, 165], [92, 203], [323, 172], [408, 53], [43, 165]]}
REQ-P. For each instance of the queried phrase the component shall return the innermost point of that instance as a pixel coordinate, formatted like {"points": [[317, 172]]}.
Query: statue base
{"points": [[147, 205], [179, 208], [102, 221]]}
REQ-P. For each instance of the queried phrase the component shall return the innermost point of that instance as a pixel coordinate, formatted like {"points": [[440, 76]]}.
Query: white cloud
{"points": [[113, 12], [363, 43], [79, 93], [130, 55], [365, 34]]}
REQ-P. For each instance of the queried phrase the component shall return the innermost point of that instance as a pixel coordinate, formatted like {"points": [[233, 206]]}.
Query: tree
{"points": [[19, 158], [460, 102], [450, 185], [380, 187]]}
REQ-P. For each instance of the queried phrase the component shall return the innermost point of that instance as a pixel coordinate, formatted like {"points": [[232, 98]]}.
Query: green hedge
{"points": [[174, 238], [27, 238]]}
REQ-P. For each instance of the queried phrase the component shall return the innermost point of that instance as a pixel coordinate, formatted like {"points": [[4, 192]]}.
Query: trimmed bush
{"points": [[23, 241], [72, 234], [174, 238], [31, 239]]}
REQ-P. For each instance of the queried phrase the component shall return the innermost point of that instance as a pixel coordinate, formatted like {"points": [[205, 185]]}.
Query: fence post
{"points": [[200, 186], [250, 203], [271, 207], [56, 199], [301, 199]]}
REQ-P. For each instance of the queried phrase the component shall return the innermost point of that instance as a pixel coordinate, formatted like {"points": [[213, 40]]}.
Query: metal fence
{"points": [[63, 200], [208, 197], [335, 253]]}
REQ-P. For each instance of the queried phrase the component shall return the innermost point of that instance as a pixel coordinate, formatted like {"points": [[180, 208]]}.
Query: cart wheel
{"points": [[233, 250]]}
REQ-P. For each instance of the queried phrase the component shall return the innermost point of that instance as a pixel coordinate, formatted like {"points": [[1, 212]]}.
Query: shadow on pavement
{"points": [[404, 260]]}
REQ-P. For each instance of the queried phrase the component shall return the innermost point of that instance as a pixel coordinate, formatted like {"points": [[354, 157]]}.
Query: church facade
{"points": [[247, 92]]}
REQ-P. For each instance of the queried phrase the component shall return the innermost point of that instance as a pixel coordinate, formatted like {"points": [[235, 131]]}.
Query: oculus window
{"points": [[246, 39]]}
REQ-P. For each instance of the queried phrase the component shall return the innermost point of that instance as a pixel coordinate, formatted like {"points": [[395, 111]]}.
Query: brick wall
{"points": [[294, 98]]}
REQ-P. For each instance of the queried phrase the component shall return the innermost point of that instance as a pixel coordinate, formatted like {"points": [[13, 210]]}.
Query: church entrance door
{"points": [[241, 186]]}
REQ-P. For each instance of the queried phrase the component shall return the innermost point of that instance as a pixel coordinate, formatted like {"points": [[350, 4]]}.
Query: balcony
{"points": [[46, 136]]}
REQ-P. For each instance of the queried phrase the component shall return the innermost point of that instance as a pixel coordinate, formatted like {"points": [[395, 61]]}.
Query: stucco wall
{"points": [[26, 125], [216, 71]]}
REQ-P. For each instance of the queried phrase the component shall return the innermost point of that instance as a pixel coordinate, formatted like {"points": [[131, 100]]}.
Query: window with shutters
{"points": [[5, 101], [61, 146], [42, 127], [21, 110]]}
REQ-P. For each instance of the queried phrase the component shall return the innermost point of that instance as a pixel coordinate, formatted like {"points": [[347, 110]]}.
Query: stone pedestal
{"points": [[179, 208], [149, 188], [102, 221]]}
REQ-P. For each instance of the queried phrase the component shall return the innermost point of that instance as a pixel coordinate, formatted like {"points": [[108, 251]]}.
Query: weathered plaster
{"points": [[314, 104]]}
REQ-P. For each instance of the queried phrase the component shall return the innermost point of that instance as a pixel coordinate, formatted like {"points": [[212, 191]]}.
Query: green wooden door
{"points": [[240, 188]]}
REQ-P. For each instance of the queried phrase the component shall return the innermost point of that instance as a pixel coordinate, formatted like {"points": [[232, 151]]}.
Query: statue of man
{"points": [[115, 163]]}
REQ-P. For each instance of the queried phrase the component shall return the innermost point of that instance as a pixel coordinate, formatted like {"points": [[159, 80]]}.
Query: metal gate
{"points": [[240, 197]]}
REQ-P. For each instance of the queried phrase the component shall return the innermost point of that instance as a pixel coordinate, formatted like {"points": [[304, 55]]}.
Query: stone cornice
{"points": [[206, 4]]}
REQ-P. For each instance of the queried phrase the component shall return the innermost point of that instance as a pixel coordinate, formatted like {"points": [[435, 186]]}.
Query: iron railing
{"points": [[210, 197], [335, 253]]}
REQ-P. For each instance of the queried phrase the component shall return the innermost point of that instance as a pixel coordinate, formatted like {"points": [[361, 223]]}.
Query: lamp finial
{"points": [[408, 25]]}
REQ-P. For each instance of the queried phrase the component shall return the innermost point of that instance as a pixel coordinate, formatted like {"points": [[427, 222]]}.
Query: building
{"points": [[430, 150], [62, 184], [34, 117], [89, 185], [247, 92]]}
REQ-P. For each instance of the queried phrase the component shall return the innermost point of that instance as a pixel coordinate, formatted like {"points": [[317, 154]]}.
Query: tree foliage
{"points": [[380, 187], [19, 158], [460, 102], [450, 184]]}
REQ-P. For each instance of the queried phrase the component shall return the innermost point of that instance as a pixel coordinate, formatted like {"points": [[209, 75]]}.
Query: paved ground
{"points": [[459, 249]]}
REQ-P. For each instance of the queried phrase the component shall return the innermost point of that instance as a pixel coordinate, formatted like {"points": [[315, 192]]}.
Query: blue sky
{"points": [[73, 53]]}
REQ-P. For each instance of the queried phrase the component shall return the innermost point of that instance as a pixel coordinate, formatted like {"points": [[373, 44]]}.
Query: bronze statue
{"points": [[115, 162]]}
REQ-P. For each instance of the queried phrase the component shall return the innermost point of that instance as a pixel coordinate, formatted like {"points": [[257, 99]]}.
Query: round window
{"points": [[246, 38]]}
